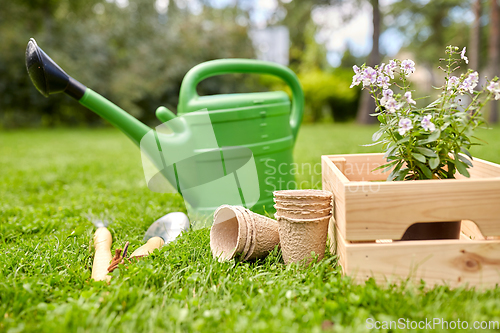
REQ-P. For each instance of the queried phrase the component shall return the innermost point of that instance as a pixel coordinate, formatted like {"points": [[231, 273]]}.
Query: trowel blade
{"points": [[168, 227]]}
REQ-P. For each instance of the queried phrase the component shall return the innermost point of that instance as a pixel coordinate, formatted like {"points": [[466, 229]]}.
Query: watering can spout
{"points": [[49, 78]]}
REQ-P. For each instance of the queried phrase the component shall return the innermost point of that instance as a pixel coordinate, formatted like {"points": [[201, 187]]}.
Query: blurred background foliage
{"points": [[136, 52]]}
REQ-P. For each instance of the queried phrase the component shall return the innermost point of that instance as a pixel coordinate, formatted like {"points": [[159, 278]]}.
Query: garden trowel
{"points": [[163, 231]]}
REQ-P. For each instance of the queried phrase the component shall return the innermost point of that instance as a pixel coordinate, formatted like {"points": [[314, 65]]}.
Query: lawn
{"points": [[51, 179]]}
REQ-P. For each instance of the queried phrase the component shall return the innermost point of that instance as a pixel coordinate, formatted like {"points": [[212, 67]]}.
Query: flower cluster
{"points": [[431, 141], [380, 78], [494, 87]]}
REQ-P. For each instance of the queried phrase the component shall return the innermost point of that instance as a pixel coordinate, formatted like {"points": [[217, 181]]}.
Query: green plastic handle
{"points": [[228, 66]]}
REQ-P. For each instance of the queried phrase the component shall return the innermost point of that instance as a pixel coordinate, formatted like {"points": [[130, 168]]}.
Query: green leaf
{"points": [[419, 157], [462, 168], [390, 151], [385, 166], [466, 152], [403, 140], [377, 135], [373, 144], [465, 160], [395, 171], [434, 162], [402, 174], [426, 151], [431, 138], [436, 102], [427, 172], [475, 137]]}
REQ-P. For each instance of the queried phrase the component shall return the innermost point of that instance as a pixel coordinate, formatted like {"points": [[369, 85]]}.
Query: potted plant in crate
{"points": [[425, 179], [430, 142]]}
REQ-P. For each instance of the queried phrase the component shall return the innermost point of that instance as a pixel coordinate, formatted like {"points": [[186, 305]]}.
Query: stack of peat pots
{"points": [[303, 217], [240, 233]]}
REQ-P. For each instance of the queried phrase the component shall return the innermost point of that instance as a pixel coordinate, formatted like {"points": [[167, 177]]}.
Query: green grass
{"points": [[51, 179]]}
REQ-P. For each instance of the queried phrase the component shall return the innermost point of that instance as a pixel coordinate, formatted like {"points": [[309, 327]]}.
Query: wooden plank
{"points": [[331, 236], [452, 262], [334, 181], [470, 230], [484, 169], [358, 167], [339, 163], [341, 250], [386, 210]]}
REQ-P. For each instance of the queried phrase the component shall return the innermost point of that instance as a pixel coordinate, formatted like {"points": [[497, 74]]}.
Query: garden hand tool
{"points": [[266, 123], [102, 257], [161, 232]]}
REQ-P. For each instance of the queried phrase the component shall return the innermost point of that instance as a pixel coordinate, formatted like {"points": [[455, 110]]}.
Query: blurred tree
{"points": [[493, 52], [132, 52], [367, 103], [475, 35], [302, 30], [326, 90], [430, 26]]}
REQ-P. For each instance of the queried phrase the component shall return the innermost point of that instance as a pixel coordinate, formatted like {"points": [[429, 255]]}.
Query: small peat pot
{"points": [[303, 217], [438, 230], [238, 232], [300, 238]]}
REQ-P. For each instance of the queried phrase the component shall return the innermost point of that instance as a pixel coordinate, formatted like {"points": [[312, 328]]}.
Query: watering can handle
{"points": [[228, 66]]}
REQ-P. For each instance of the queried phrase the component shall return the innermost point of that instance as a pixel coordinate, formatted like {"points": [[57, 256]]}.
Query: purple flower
{"points": [[386, 94], [467, 85], [369, 76], [404, 126], [356, 79], [462, 56], [392, 105], [427, 124], [389, 69], [494, 87], [452, 83], [474, 76], [408, 67], [409, 99], [383, 81], [380, 69]]}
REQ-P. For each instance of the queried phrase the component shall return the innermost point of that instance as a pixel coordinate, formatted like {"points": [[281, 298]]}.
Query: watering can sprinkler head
{"points": [[47, 76]]}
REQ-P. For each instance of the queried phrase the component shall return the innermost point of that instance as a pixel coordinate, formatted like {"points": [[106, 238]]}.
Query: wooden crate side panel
{"points": [[386, 210], [339, 249], [334, 181], [436, 262], [484, 169], [358, 167]]}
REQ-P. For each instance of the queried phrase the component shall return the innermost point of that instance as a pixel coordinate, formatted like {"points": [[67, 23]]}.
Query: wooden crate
{"points": [[370, 214]]}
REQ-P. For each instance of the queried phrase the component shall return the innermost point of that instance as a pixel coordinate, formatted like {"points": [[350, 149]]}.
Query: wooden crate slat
{"points": [[384, 210], [387, 210], [454, 262]]}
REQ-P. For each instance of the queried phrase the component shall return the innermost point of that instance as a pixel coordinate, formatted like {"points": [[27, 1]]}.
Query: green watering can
{"points": [[219, 149]]}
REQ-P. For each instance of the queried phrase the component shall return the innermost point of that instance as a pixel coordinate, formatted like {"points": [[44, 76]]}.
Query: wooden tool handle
{"points": [[152, 244], [102, 258]]}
